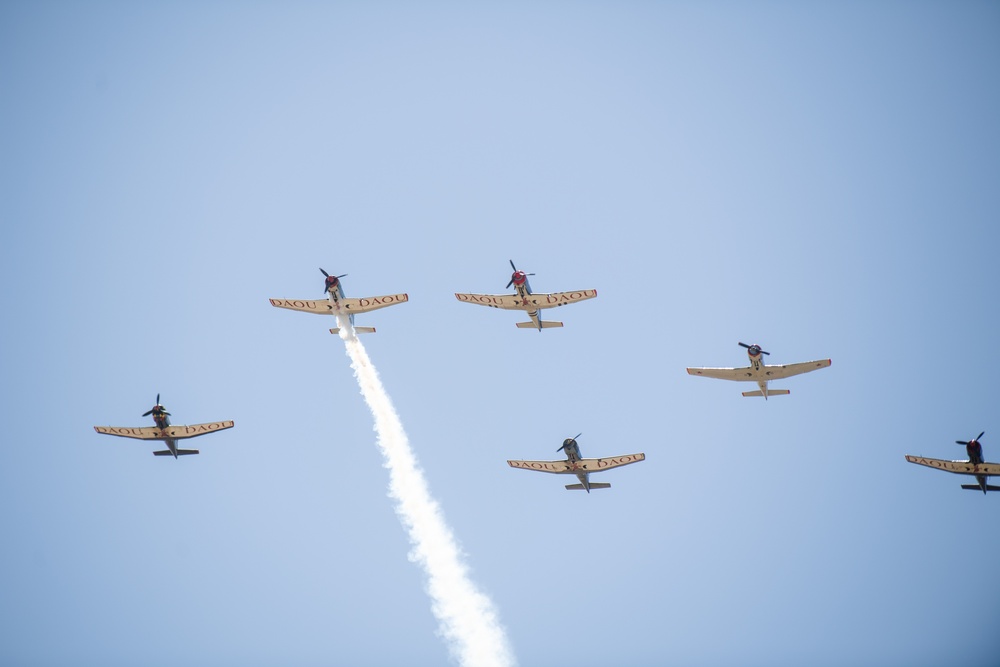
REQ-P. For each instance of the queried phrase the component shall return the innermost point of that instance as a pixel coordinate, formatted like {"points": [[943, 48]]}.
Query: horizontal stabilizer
{"points": [[180, 452], [976, 487], [593, 485], [357, 330], [770, 392], [545, 325]]}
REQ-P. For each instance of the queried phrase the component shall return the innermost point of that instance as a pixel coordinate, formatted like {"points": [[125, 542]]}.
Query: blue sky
{"points": [[819, 178]]}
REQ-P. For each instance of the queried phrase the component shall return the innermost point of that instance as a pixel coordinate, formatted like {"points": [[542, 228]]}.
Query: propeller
{"points": [[161, 411], [569, 440], [328, 275], [515, 273], [754, 349], [976, 440]]}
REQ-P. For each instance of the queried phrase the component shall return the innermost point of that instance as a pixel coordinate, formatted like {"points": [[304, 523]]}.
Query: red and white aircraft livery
{"points": [[526, 300], [337, 304], [164, 431], [574, 465], [974, 466], [759, 372]]}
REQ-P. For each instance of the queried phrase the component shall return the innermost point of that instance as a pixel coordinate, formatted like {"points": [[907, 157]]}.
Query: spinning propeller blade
{"points": [[328, 276], [511, 282], [573, 439], [754, 347], [976, 439], [150, 411]]}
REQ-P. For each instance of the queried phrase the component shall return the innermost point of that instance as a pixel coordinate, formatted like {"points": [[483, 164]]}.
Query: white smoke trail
{"points": [[466, 617]]}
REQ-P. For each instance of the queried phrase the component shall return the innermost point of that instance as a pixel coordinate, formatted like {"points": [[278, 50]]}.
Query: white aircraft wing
{"points": [[138, 432], [531, 302], [370, 303], [960, 467], [505, 301], [320, 307], [583, 465], [170, 433], [562, 298], [558, 467], [724, 373], [779, 372]]}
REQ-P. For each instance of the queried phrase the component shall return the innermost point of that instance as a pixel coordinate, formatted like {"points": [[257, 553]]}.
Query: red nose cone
{"points": [[519, 277]]}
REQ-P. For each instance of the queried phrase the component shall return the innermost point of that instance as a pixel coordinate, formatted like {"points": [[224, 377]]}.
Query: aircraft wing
{"points": [[367, 304], [138, 432], [505, 301], [960, 467], [558, 467], [562, 298], [320, 307], [779, 372], [724, 373], [170, 433], [531, 302], [583, 465]]}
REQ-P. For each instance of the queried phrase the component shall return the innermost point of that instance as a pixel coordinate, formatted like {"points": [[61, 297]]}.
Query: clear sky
{"points": [[819, 178]]}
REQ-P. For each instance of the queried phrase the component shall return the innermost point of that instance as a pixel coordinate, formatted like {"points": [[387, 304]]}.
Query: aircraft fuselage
{"points": [[335, 291], [520, 280], [162, 421], [758, 368], [572, 450]]}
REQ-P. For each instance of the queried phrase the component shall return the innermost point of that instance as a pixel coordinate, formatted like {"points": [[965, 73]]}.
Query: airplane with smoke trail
{"points": [[581, 467], [338, 304], [759, 372], [974, 466], [165, 431], [526, 300]]}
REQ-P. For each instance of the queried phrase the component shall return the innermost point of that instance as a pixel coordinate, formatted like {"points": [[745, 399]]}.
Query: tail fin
{"points": [[180, 452], [976, 487], [770, 392], [357, 330], [546, 324], [593, 485]]}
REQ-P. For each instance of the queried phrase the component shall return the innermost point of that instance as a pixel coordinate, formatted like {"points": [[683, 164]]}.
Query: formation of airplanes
{"points": [[337, 304]]}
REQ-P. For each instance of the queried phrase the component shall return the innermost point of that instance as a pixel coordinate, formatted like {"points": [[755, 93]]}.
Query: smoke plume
{"points": [[466, 616]]}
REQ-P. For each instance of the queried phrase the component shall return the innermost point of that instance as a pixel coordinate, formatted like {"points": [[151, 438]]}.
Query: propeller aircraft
{"points": [[525, 299], [337, 304], [575, 465], [759, 372], [165, 431], [974, 466]]}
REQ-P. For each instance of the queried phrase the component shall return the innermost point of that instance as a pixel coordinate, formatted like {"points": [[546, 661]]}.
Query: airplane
{"points": [[164, 431], [337, 304], [574, 465], [974, 466], [526, 300], [759, 372]]}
